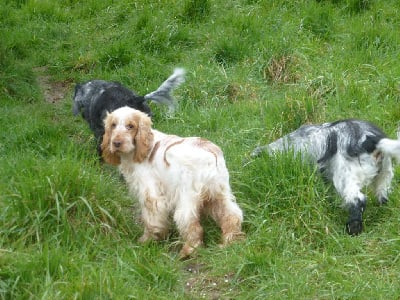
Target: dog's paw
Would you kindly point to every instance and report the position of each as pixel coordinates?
(354, 227)
(189, 249)
(382, 200)
(186, 252)
(144, 238)
(232, 237)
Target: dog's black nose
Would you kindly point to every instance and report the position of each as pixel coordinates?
(117, 144)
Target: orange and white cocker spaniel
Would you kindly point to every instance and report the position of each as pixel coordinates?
(171, 175)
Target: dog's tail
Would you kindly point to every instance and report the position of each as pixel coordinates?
(163, 94)
(390, 147)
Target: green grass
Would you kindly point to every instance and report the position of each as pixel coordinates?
(255, 70)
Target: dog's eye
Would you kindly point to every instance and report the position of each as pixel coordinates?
(113, 125)
(129, 126)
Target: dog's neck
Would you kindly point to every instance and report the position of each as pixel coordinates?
(126, 166)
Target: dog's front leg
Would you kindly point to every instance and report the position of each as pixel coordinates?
(155, 219)
(354, 225)
(349, 187)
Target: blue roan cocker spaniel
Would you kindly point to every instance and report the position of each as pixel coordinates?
(93, 99)
(350, 153)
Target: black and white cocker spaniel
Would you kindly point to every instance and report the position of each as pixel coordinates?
(93, 99)
(171, 176)
(352, 154)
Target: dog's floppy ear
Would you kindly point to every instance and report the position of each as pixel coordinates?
(143, 139)
(111, 158)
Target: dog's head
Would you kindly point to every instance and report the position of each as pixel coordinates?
(127, 132)
(78, 99)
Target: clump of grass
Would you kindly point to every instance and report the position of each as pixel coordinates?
(196, 10)
(321, 88)
(116, 56)
(17, 81)
(358, 6)
(84, 63)
(228, 52)
(181, 37)
(233, 92)
(56, 198)
(278, 70)
(374, 38)
(304, 206)
(158, 37)
(46, 11)
(318, 21)
(296, 112)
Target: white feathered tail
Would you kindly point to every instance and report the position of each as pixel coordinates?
(390, 147)
(163, 94)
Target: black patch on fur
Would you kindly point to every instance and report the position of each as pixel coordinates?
(331, 148)
(370, 143)
(354, 225)
(355, 130)
(110, 100)
(95, 98)
(355, 133)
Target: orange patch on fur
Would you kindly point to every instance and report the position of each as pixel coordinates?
(153, 152)
(108, 156)
(210, 147)
(169, 146)
(143, 138)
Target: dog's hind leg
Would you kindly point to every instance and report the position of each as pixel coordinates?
(381, 183)
(224, 210)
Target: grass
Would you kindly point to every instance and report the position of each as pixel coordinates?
(256, 70)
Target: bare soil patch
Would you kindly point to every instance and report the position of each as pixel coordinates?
(53, 91)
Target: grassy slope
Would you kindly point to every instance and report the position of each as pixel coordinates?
(256, 70)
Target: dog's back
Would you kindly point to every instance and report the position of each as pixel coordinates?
(321, 142)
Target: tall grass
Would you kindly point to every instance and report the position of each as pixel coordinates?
(256, 70)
